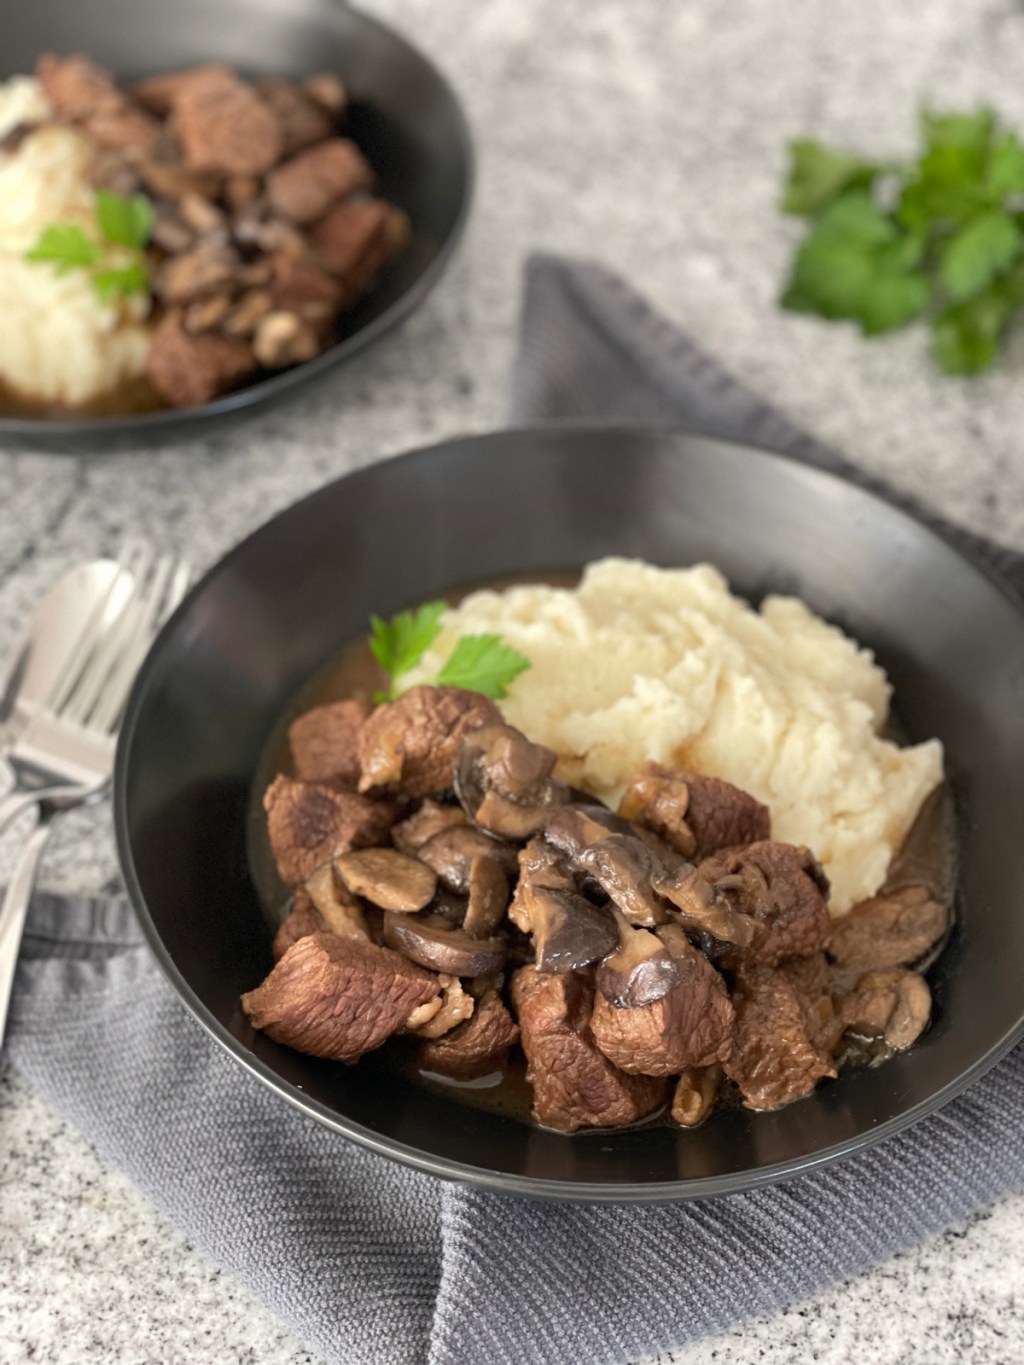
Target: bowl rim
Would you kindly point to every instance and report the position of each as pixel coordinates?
(265, 391)
(481, 1177)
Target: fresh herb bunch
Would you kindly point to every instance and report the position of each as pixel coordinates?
(940, 238)
(479, 663)
(116, 263)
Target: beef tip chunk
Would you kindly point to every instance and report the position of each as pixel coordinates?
(688, 1026)
(569, 932)
(476, 1047)
(159, 94)
(304, 188)
(411, 743)
(298, 285)
(324, 742)
(420, 828)
(187, 370)
(124, 129)
(310, 824)
(624, 869)
(695, 1095)
(504, 781)
(574, 1083)
(224, 126)
(302, 121)
(76, 86)
(812, 978)
(302, 919)
(336, 997)
(695, 814)
(893, 1005)
(783, 889)
(353, 231)
(891, 930)
(773, 1060)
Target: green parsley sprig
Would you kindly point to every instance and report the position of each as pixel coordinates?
(940, 238)
(479, 663)
(116, 263)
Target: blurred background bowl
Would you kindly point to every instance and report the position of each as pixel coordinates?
(403, 115)
(282, 605)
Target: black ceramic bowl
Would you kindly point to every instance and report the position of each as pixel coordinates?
(403, 115)
(280, 606)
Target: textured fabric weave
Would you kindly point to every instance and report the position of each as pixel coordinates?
(373, 1264)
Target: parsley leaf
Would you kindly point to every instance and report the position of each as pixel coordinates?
(978, 252)
(1005, 172)
(399, 644)
(971, 132)
(966, 335)
(817, 176)
(64, 245)
(120, 282)
(483, 663)
(124, 220)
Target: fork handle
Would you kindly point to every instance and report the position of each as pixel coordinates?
(14, 910)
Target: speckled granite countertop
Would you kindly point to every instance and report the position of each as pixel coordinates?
(651, 137)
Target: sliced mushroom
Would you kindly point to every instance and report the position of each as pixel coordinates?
(695, 1095)
(431, 818)
(640, 971)
(488, 897)
(453, 852)
(456, 1007)
(894, 1005)
(890, 930)
(569, 932)
(284, 339)
(573, 828)
(435, 944)
(390, 879)
(625, 869)
(504, 783)
(700, 909)
(339, 909)
(248, 313)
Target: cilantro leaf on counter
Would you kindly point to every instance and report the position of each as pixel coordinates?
(125, 220)
(399, 644)
(941, 237)
(483, 663)
(480, 663)
(66, 246)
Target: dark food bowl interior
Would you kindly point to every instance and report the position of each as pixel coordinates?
(280, 607)
(402, 114)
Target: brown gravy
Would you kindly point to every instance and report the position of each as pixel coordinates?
(927, 856)
(129, 399)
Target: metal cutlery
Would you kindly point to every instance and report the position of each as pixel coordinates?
(61, 744)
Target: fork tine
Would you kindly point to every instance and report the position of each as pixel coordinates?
(172, 580)
(91, 631)
(109, 642)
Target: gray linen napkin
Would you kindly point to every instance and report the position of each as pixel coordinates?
(369, 1262)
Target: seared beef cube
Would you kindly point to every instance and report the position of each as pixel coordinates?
(302, 121)
(411, 743)
(123, 128)
(812, 980)
(324, 742)
(304, 188)
(420, 828)
(574, 1084)
(188, 370)
(394, 234)
(224, 126)
(693, 813)
(569, 932)
(475, 1048)
(773, 1061)
(299, 286)
(159, 94)
(302, 920)
(894, 1005)
(891, 930)
(349, 233)
(310, 824)
(337, 997)
(76, 86)
(783, 889)
(504, 782)
(688, 1026)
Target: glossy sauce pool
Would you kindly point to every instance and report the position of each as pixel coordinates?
(927, 855)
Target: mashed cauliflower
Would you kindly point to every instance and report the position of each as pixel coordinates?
(642, 663)
(58, 343)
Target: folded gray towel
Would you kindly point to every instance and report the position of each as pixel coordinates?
(369, 1262)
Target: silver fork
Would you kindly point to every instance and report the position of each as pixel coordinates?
(65, 754)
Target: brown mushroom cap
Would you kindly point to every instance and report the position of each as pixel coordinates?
(503, 781)
(390, 879)
(625, 868)
(339, 909)
(436, 945)
(698, 908)
(488, 897)
(641, 970)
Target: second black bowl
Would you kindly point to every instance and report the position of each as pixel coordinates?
(403, 114)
